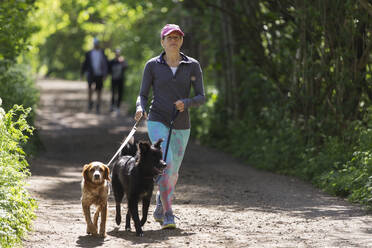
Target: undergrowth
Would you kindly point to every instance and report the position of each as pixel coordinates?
(16, 205)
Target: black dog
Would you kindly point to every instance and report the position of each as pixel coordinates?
(134, 177)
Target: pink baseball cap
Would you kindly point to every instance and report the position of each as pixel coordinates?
(169, 28)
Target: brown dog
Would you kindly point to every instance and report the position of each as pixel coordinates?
(95, 190)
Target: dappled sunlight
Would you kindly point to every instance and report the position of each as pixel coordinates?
(61, 85)
(60, 121)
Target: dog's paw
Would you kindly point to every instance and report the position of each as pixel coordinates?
(91, 229)
(139, 234)
(118, 219)
(102, 234)
(127, 228)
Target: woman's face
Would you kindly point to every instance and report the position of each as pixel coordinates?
(172, 42)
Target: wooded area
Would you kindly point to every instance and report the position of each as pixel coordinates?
(288, 82)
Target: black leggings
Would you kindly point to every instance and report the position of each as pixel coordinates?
(116, 92)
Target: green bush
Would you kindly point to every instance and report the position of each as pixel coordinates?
(352, 178)
(16, 205)
(272, 142)
(339, 164)
(17, 87)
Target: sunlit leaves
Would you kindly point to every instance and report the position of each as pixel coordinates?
(14, 29)
(16, 205)
(70, 25)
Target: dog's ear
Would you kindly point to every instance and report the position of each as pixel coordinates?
(143, 146)
(107, 173)
(158, 143)
(85, 172)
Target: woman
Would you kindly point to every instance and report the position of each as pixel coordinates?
(171, 75)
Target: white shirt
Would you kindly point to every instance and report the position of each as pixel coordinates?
(174, 69)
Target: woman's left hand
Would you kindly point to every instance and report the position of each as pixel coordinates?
(180, 106)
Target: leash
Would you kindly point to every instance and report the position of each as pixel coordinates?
(174, 116)
(134, 129)
(130, 135)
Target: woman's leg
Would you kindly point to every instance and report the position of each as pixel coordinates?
(177, 147)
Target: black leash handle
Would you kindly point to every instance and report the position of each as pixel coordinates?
(174, 116)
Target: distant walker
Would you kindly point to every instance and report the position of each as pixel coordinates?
(95, 68)
(117, 68)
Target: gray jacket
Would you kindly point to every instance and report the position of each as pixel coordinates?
(168, 88)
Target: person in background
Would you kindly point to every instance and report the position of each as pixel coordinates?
(170, 76)
(95, 67)
(117, 68)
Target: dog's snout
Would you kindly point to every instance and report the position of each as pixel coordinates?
(96, 175)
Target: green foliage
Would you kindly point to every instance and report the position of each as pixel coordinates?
(16, 205)
(17, 94)
(16, 84)
(200, 118)
(293, 79)
(18, 87)
(14, 29)
(274, 142)
(352, 177)
(118, 24)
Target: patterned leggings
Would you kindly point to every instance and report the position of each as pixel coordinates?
(176, 150)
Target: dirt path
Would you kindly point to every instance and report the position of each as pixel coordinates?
(220, 202)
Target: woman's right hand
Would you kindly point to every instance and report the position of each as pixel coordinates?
(139, 115)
